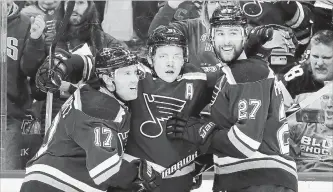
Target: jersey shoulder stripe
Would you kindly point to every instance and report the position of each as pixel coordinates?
(193, 76)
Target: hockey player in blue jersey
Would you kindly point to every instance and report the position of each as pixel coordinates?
(247, 132)
(309, 76)
(171, 85)
(83, 149)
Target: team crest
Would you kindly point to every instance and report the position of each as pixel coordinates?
(164, 108)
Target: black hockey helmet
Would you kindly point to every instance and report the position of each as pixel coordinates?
(167, 35)
(109, 59)
(228, 13)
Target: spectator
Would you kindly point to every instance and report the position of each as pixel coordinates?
(47, 9)
(41, 7)
(25, 52)
(312, 142)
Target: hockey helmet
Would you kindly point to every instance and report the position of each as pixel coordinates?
(109, 59)
(167, 35)
(228, 13)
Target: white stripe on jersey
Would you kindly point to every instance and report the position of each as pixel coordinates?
(109, 173)
(49, 181)
(246, 139)
(88, 66)
(84, 73)
(251, 165)
(110, 162)
(298, 17)
(61, 176)
(120, 114)
(257, 161)
(90, 62)
(193, 76)
(77, 100)
(238, 144)
(229, 75)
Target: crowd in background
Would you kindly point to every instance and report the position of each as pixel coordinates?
(128, 24)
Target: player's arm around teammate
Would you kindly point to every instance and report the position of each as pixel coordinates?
(84, 147)
(248, 133)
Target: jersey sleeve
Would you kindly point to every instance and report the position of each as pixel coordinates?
(80, 64)
(298, 79)
(99, 138)
(33, 56)
(165, 17)
(245, 108)
(102, 146)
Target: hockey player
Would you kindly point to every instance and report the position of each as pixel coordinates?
(287, 13)
(171, 85)
(310, 76)
(83, 149)
(83, 29)
(313, 141)
(200, 49)
(248, 133)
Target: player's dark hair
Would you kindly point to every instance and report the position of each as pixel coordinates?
(323, 37)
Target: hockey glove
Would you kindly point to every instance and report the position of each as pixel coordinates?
(256, 38)
(50, 79)
(194, 130)
(148, 179)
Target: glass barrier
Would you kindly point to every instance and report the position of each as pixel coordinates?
(311, 129)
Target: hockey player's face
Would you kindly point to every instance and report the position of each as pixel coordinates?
(228, 42)
(78, 11)
(327, 106)
(321, 58)
(168, 62)
(49, 4)
(126, 81)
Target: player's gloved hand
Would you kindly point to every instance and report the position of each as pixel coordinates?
(194, 130)
(50, 79)
(257, 37)
(148, 179)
